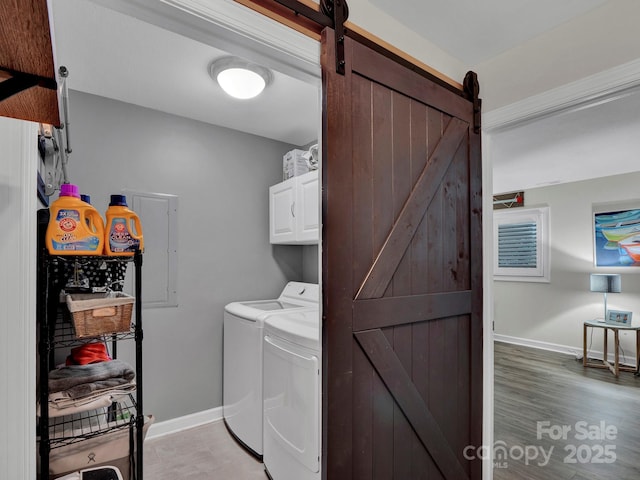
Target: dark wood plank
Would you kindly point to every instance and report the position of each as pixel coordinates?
(362, 414)
(463, 398)
(387, 72)
(25, 41)
(396, 379)
(25, 46)
(387, 311)
(383, 218)
(454, 215)
(462, 266)
(438, 375)
(362, 161)
(419, 157)
(404, 228)
(402, 431)
(475, 268)
(337, 211)
(382, 430)
(422, 465)
(37, 104)
(401, 181)
(436, 122)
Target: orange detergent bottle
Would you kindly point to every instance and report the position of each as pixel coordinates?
(93, 218)
(123, 232)
(75, 227)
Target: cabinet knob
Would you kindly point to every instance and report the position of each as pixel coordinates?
(293, 206)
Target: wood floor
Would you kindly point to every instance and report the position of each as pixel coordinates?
(531, 386)
(534, 386)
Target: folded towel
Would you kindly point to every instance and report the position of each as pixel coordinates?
(81, 380)
(60, 403)
(61, 400)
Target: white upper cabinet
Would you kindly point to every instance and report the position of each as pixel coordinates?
(294, 210)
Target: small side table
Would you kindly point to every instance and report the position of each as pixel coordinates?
(616, 368)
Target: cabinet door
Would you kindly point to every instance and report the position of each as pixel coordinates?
(306, 210)
(281, 218)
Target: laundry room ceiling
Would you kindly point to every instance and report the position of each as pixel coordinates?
(120, 57)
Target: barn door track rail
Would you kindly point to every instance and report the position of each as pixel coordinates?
(334, 14)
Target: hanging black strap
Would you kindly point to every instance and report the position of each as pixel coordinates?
(339, 11)
(132, 449)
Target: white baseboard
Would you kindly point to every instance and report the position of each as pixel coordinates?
(185, 422)
(554, 347)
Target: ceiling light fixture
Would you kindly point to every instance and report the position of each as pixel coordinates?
(240, 78)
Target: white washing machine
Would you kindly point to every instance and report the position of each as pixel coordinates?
(242, 368)
(292, 379)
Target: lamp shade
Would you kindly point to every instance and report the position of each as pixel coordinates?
(606, 283)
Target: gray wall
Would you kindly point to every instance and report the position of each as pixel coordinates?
(554, 312)
(310, 265)
(222, 179)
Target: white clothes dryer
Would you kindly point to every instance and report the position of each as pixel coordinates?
(242, 368)
(292, 363)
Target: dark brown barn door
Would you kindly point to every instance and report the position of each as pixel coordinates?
(402, 273)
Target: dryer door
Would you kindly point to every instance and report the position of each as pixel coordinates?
(291, 402)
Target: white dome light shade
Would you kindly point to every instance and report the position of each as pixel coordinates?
(239, 78)
(241, 83)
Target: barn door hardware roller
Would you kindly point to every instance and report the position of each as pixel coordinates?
(339, 11)
(333, 13)
(471, 92)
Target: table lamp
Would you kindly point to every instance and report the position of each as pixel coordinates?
(606, 283)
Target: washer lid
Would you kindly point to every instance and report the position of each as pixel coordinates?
(301, 327)
(253, 309)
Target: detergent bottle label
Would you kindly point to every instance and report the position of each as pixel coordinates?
(71, 235)
(120, 239)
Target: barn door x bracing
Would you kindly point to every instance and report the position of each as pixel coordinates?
(402, 273)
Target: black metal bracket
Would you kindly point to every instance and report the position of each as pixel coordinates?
(339, 11)
(471, 92)
(20, 81)
(301, 9)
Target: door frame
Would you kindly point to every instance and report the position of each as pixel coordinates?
(592, 90)
(18, 332)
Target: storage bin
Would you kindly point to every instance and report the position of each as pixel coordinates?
(113, 448)
(294, 164)
(99, 313)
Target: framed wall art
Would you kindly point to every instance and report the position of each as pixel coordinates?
(616, 236)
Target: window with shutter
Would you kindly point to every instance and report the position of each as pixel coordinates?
(521, 245)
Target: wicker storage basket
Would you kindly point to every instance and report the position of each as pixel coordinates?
(99, 313)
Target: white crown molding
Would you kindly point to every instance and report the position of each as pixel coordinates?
(238, 26)
(610, 84)
(230, 26)
(230, 15)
